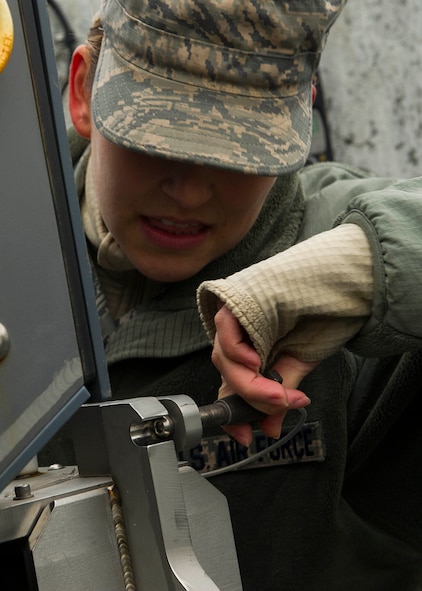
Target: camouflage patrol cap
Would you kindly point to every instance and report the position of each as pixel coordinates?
(219, 82)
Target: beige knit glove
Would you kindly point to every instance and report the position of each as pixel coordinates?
(307, 301)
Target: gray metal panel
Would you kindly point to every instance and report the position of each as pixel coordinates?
(77, 549)
(43, 377)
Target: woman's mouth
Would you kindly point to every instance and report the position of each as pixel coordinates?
(175, 227)
(174, 234)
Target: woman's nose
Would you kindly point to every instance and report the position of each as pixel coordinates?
(189, 185)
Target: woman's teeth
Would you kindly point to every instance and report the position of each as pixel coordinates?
(178, 227)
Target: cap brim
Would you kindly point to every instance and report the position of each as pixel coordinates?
(140, 111)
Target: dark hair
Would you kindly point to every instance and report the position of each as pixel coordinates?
(94, 41)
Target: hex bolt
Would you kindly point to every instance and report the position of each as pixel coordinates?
(22, 491)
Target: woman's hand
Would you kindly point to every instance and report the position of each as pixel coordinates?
(239, 365)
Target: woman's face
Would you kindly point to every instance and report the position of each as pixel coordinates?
(171, 219)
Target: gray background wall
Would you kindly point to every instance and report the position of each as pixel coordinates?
(371, 73)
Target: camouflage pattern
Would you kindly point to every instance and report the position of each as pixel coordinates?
(218, 82)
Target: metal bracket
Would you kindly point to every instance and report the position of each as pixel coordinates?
(129, 439)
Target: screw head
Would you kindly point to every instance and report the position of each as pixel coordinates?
(4, 342)
(164, 427)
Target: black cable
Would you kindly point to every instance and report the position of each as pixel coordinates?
(269, 449)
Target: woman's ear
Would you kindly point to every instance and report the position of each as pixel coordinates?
(314, 92)
(80, 91)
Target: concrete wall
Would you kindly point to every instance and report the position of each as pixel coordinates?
(371, 74)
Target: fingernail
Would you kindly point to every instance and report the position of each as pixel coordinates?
(274, 434)
(300, 402)
(242, 440)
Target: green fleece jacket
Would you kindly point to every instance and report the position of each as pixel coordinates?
(339, 508)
